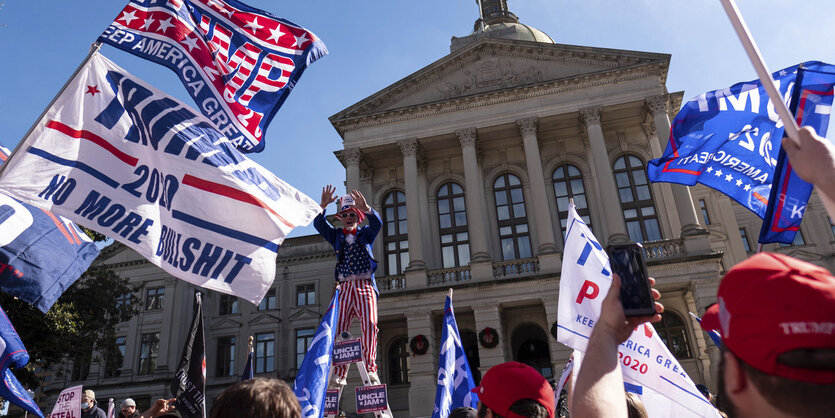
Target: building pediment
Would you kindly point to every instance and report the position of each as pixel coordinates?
(303, 313)
(489, 69)
(118, 254)
(224, 323)
(264, 318)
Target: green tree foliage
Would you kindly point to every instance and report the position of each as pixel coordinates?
(83, 319)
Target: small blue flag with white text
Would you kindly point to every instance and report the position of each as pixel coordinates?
(455, 379)
(312, 380)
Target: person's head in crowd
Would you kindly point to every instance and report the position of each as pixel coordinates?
(128, 407)
(776, 315)
(634, 406)
(514, 389)
(463, 412)
(257, 398)
(88, 399)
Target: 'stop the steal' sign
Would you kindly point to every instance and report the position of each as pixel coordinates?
(644, 358)
(121, 157)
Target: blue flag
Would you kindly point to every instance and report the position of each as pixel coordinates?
(455, 380)
(811, 105)
(14, 354)
(311, 383)
(41, 254)
(729, 140)
(248, 370)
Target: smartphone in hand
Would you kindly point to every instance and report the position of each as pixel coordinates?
(627, 260)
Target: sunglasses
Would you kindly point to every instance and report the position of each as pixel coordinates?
(348, 215)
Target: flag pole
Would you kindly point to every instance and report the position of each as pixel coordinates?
(93, 49)
(790, 125)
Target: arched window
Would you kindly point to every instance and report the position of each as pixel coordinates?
(568, 183)
(673, 332)
(398, 358)
(530, 346)
(452, 218)
(513, 221)
(636, 199)
(395, 233)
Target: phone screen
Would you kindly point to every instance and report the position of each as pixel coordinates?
(627, 261)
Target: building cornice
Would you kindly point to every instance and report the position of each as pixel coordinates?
(515, 94)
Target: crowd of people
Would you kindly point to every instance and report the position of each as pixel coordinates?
(776, 316)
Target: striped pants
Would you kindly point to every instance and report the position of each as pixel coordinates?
(358, 299)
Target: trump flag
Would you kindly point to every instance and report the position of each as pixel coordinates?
(132, 163)
(644, 358)
(13, 354)
(729, 140)
(237, 62)
(41, 254)
(311, 383)
(455, 379)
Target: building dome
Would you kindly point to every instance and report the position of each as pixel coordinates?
(498, 22)
(513, 30)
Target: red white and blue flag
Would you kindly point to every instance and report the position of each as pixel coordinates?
(237, 62)
(130, 162)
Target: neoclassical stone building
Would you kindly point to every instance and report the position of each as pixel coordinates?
(471, 161)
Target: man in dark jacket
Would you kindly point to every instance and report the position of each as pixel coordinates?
(88, 406)
(128, 409)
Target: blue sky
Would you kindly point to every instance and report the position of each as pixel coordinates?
(374, 43)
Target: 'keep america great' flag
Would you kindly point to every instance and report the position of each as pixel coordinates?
(238, 63)
(729, 140)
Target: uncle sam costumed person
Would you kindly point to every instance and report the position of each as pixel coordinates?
(354, 272)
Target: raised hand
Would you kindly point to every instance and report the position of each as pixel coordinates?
(612, 318)
(359, 201)
(327, 196)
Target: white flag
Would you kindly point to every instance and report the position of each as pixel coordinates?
(123, 158)
(644, 358)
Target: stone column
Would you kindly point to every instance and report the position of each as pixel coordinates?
(615, 224)
(659, 109)
(476, 224)
(542, 218)
(423, 369)
(352, 157)
(410, 148)
(489, 316)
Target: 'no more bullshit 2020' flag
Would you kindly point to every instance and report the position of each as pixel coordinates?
(120, 157)
(729, 140)
(644, 358)
(41, 254)
(237, 62)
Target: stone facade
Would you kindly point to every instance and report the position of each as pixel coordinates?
(468, 160)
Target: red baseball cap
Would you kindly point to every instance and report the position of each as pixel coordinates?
(509, 382)
(770, 304)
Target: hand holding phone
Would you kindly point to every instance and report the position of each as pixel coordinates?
(627, 261)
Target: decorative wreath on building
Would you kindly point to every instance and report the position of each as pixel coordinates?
(488, 337)
(419, 344)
